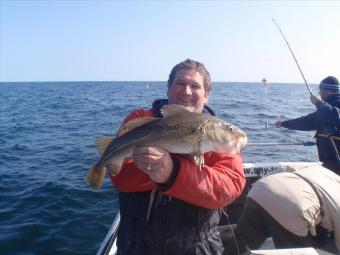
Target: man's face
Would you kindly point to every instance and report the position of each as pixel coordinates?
(324, 93)
(188, 90)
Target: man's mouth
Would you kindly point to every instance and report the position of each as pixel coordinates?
(185, 102)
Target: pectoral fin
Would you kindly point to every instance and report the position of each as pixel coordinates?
(102, 143)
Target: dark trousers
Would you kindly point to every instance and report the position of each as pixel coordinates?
(333, 166)
(256, 225)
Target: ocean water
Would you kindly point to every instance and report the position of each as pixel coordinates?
(47, 133)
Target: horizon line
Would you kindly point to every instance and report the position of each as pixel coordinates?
(154, 81)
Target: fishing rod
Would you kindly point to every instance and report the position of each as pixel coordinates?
(291, 51)
(309, 143)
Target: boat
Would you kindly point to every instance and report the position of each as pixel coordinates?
(253, 171)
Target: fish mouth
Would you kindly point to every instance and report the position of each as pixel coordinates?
(241, 143)
(239, 137)
(238, 144)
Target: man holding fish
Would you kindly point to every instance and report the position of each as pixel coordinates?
(175, 166)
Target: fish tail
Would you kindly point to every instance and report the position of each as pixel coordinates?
(95, 176)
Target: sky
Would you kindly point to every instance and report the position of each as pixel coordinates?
(142, 40)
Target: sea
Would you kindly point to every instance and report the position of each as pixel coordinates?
(47, 133)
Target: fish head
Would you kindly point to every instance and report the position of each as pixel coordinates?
(226, 137)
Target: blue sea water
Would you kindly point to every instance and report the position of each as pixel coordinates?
(47, 132)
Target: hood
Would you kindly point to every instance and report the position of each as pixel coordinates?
(158, 104)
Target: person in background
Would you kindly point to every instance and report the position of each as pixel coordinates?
(168, 204)
(325, 120)
(295, 208)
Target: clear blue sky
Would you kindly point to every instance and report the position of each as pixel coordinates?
(142, 40)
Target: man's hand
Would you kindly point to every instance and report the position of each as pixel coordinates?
(278, 124)
(154, 161)
(314, 99)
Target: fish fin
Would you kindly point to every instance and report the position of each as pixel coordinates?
(173, 109)
(198, 159)
(102, 143)
(132, 124)
(95, 177)
(114, 167)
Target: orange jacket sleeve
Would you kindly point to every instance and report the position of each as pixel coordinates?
(216, 185)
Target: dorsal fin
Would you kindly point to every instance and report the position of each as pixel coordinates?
(102, 143)
(173, 109)
(132, 124)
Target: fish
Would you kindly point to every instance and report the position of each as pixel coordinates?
(179, 131)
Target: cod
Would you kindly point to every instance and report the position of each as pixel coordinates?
(179, 131)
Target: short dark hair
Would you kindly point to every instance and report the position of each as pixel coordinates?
(190, 64)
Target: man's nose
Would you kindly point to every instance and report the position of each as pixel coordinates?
(187, 89)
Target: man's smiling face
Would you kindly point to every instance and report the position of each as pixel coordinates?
(188, 90)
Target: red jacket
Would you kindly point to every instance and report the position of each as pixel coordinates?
(216, 185)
